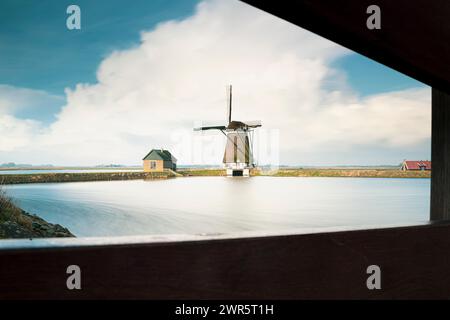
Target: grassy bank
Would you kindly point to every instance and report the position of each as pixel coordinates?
(111, 176)
(16, 223)
(363, 173)
(201, 172)
(76, 177)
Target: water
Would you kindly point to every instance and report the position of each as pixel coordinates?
(221, 205)
(38, 171)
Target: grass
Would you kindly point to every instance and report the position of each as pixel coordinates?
(284, 172)
(10, 212)
(80, 176)
(16, 223)
(201, 172)
(363, 173)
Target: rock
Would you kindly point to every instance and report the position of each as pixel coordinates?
(11, 229)
(37, 228)
(16, 223)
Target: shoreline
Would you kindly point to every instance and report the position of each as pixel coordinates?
(314, 172)
(349, 173)
(80, 177)
(133, 175)
(26, 225)
(15, 223)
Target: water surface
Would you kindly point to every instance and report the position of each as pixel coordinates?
(221, 205)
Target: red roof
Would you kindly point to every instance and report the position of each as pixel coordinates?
(416, 165)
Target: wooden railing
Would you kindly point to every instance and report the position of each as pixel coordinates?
(414, 263)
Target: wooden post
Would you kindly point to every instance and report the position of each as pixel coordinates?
(440, 156)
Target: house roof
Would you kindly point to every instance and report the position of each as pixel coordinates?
(417, 164)
(160, 154)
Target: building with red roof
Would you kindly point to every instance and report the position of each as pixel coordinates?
(416, 165)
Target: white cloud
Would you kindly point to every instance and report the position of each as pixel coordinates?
(15, 133)
(25, 103)
(394, 119)
(151, 95)
(22, 113)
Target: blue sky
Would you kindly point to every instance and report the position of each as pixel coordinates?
(369, 77)
(37, 52)
(34, 44)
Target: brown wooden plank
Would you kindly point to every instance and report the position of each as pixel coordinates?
(440, 148)
(414, 262)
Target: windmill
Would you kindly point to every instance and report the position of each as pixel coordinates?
(238, 155)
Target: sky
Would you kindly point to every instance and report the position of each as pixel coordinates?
(141, 74)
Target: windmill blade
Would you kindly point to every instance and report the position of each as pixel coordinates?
(229, 102)
(210, 128)
(253, 124)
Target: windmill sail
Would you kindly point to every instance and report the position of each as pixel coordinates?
(229, 102)
(210, 128)
(253, 124)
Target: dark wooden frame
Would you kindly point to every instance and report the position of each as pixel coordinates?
(415, 261)
(440, 148)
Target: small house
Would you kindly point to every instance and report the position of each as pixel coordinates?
(416, 165)
(159, 159)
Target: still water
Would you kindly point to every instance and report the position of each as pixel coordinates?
(222, 205)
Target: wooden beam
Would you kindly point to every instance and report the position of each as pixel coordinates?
(329, 265)
(440, 155)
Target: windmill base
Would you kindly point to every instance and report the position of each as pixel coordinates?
(238, 172)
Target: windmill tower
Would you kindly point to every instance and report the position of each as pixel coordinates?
(238, 155)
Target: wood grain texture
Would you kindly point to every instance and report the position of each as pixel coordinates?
(414, 263)
(440, 148)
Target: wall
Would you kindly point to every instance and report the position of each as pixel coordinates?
(159, 166)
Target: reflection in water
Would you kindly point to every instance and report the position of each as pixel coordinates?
(221, 205)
